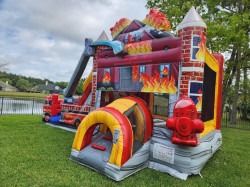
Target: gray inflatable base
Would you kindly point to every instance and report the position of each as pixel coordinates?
(158, 153)
(181, 161)
(98, 160)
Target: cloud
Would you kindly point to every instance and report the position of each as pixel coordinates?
(45, 39)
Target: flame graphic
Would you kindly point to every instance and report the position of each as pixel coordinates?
(137, 48)
(200, 55)
(164, 71)
(119, 26)
(135, 74)
(199, 104)
(106, 78)
(157, 84)
(158, 20)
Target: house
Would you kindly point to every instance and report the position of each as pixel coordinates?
(49, 88)
(6, 87)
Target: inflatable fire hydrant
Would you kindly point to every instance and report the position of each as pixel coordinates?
(184, 123)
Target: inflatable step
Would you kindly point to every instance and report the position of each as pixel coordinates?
(99, 147)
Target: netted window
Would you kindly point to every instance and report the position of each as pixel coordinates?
(126, 78)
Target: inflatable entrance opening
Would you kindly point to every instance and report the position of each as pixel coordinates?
(124, 128)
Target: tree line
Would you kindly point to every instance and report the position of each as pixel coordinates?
(25, 84)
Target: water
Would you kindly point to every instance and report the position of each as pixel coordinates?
(21, 106)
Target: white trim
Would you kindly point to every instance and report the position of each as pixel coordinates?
(193, 94)
(179, 79)
(192, 24)
(94, 73)
(192, 69)
(189, 85)
(192, 47)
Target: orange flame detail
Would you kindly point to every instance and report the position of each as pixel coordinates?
(158, 20)
(200, 55)
(137, 48)
(135, 74)
(199, 104)
(106, 78)
(164, 71)
(119, 26)
(157, 84)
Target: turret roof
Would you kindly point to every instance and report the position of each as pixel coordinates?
(192, 18)
(103, 36)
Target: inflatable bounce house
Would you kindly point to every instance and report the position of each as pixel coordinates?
(155, 99)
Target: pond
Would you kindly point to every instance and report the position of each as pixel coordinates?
(21, 105)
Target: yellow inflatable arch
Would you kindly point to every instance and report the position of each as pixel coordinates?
(119, 125)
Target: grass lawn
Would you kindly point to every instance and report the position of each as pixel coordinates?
(34, 154)
(24, 94)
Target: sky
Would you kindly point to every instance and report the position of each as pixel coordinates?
(45, 38)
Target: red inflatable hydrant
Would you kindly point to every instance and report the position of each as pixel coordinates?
(185, 124)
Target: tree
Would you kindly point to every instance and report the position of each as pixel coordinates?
(6, 80)
(61, 84)
(3, 66)
(23, 84)
(244, 99)
(234, 18)
(228, 30)
(235, 97)
(245, 106)
(79, 90)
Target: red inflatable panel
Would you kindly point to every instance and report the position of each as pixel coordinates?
(85, 95)
(220, 59)
(87, 138)
(107, 138)
(157, 57)
(96, 146)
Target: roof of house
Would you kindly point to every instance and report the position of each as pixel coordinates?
(4, 85)
(49, 87)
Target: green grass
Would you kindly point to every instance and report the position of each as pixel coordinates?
(34, 154)
(24, 95)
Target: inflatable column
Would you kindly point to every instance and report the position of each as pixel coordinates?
(95, 100)
(192, 30)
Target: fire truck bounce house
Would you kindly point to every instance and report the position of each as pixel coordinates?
(122, 130)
